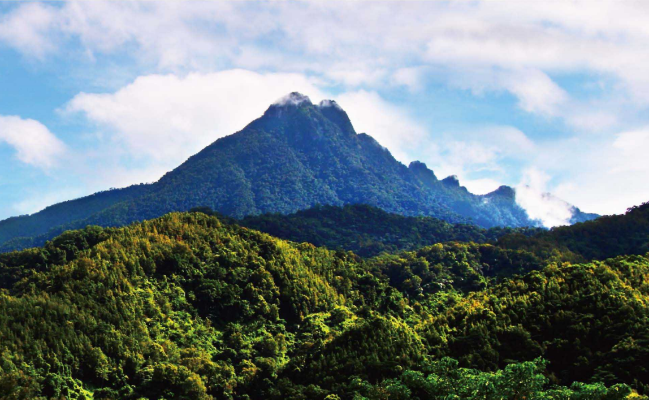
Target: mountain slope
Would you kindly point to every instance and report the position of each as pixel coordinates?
(66, 212)
(588, 320)
(368, 231)
(605, 237)
(295, 156)
(184, 306)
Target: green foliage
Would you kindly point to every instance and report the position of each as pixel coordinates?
(591, 321)
(444, 380)
(292, 158)
(367, 230)
(605, 237)
(462, 266)
(188, 307)
(178, 307)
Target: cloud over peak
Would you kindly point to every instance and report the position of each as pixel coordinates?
(167, 118)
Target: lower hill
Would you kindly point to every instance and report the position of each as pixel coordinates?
(185, 306)
(363, 229)
(369, 231)
(605, 237)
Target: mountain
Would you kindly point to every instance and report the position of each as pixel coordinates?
(186, 307)
(369, 231)
(297, 155)
(605, 237)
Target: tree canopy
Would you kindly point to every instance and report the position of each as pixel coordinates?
(188, 307)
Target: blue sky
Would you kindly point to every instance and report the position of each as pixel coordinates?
(554, 98)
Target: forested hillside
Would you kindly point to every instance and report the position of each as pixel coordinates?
(368, 231)
(27, 230)
(295, 156)
(605, 237)
(185, 306)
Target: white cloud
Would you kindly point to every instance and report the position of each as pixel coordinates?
(293, 99)
(598, 173)
(537, 93)
(481, 186)
(167, 118)
(477, 155)
(163, 119)
(28, 29)
(355, 74)
(633, 150)
(391, 126)
(466, 153)
(613, 175)
(532, 196)
(33, 142)
(338, 40)
(591, 119)
(515, 47)
(410, 77)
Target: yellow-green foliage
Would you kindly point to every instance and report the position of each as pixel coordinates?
(186, 307)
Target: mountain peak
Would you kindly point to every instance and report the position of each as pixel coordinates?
(335, 113)
(293, 99)
(423, 172)
(286, 105)
(294, 156)
(419, 166)
(307, 118)
(503, 191)
(329, 103)
(451, 181)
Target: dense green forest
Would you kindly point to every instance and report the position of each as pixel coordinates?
(363, 229)
(369, 231)
(604, 237)
(292, 158)
(187, 306)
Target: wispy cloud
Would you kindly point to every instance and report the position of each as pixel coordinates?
(390, 125)
(608, 175)
(163, 119)
(358, 52)
(28, 29)
(472, 153)
(540, 205)
(345, 37)
(167, 118)
(33, 142)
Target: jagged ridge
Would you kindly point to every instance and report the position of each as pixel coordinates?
(295, 156)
